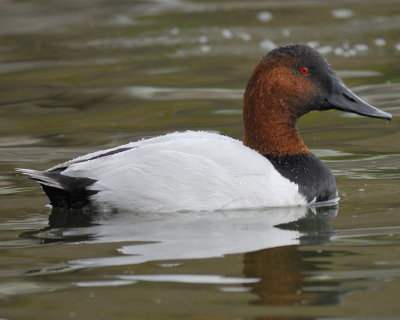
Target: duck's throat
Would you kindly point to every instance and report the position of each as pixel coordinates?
(279, 143)
(274, 135)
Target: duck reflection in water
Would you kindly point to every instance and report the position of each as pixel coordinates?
(277, 245)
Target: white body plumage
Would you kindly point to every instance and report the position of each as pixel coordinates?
(183, 171)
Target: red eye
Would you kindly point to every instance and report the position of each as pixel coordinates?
(304, 70)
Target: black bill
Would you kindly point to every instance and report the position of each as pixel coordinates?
(342, 98)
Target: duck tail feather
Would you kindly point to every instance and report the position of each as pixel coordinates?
(42, 177)
(62, 190)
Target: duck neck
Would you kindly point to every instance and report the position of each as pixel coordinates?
(272, 135)
(270, 121)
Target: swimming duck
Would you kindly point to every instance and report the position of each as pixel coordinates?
(195, 171)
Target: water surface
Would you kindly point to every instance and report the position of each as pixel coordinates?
(79, 76)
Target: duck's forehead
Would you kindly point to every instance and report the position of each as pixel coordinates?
(298, 54)
(313, 59)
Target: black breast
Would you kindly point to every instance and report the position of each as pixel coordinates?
(314, 179)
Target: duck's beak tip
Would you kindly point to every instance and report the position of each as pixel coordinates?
(380, 114)
(389, 118)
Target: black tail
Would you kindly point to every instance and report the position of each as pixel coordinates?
(63, 191)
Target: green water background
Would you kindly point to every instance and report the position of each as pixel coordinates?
(78, 76)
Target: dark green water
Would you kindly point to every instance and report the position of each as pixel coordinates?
(77, 76)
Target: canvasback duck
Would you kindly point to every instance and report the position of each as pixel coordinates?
(194, 171)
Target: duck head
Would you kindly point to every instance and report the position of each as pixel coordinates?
(287, 83)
